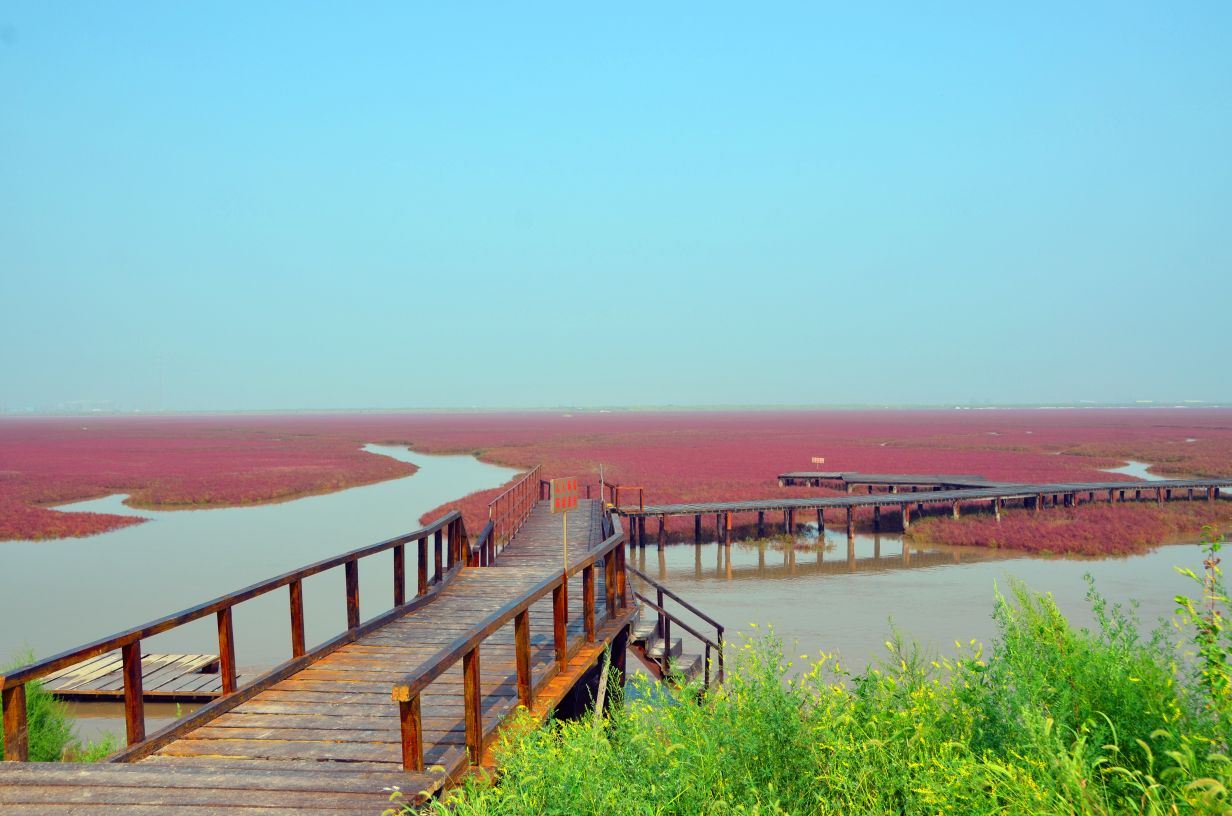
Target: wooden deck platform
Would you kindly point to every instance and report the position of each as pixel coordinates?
(170, 678)
(327, 737)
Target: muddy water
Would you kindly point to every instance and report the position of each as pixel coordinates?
(58, 594)
(1138, 470)
(832, 600)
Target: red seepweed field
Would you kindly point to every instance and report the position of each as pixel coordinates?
(185, 461)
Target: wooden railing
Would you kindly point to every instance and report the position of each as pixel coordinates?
(614, 491)
(466, 648)
(508, 511)
(666, 619)
(445, 537)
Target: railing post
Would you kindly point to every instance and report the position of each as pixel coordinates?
(719, 630)
(474, 705)
(588, 601)
(352, 594)
(297, 618)
(665, 631)
(438, 569)
(521, 640)
(452, 546)
(609, 582)
(16, 733)
(423, 565)
(399, 574)
(622, 577)
(409, 715)
(226, 651)
(560, 609)
(134, 702)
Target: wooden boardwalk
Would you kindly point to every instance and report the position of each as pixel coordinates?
(327, 737)
(902, 493)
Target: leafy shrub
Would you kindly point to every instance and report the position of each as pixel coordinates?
(1052, 720)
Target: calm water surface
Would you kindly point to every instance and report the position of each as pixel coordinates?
(58, 594)
(822, 599)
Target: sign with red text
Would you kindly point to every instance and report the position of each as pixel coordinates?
(819, 460)
(564, 494)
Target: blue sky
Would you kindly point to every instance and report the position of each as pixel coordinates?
(215, 206)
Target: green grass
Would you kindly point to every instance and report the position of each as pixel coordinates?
(50, 727)
(1052, 719)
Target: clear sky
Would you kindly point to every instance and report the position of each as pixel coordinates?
(232, 206)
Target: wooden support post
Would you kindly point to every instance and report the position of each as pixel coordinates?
(718, 526)
(588, 602)
(521, 640)
(876, 518)
(1111, 496)
(352, 593)
(16, 731)
(954, 511)
(560, 634)
(473, 693)
(1210, 494)
(439, 566)
(422, 567)
(226, 651)
(297, 618)
(451, 545)
(641, 531)
(622, 577)
(906, 508)
(851, 528)
(761, 523)
(662, 531)
(996, 508)
(821, 524)
(134, 702)
(786, 522)
(1159, 495)
(697, 529)
(399, 574)
(411, 721)
(727, 531)
(609, 583)
(791, 522)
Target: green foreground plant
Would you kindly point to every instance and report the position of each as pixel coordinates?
(1052, 720)
(49, 727)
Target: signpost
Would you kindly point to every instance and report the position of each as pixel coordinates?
(819, 460)
(564, 497)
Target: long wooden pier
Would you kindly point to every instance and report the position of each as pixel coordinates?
(904, 493)
(410, 698)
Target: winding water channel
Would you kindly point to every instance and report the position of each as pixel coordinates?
(58, 594)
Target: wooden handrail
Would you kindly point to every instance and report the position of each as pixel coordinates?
(12, 685)
(509, 510)
(666, 619)
(466, 647)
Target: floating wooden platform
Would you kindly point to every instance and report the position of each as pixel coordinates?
(171, 678)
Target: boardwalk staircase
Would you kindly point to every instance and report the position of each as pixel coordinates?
(676, 660)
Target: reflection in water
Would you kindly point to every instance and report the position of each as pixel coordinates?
(844, 597)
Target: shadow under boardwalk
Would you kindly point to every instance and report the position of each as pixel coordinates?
(327, 739)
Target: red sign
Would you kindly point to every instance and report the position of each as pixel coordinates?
(564, 494)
